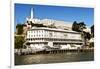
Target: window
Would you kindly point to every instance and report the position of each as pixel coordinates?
(37, 31)
(31, 35)
(39, 35)
(65, 34)
(31, 39)
(50, 34)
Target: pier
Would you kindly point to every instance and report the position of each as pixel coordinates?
(30, 52)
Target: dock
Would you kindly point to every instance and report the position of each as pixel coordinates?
(56, 51)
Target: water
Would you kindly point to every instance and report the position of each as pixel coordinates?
(53, 58)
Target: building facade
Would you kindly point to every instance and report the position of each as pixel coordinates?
(41, 37)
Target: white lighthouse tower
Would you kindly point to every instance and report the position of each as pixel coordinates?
(30, 18)
(32, 13)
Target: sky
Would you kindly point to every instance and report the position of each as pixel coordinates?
(64, 13)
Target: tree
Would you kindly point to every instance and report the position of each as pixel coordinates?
(92, 30)
(91, 44)
(19, 28)
(81, 26)
(87, 35)
(75, 26)
(19, 40)
(78, 26)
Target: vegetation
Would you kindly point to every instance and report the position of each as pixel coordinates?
(19, 40)
(19, 28)
(92, 30)
(91, 44)
(78, 26)
(87, 35)
(75, 26)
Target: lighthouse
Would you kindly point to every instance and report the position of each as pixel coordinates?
(32, 13)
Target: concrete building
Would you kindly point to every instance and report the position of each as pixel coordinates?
(49, 22)
(57, 23)
(40, 37)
